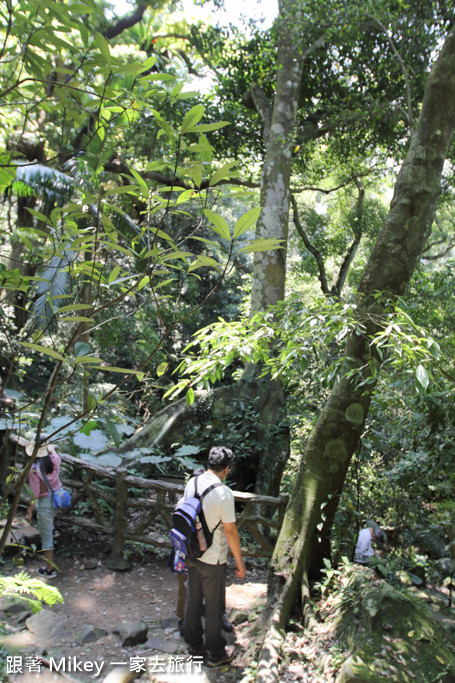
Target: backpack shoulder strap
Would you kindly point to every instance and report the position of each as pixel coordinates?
(210, 488)
(46, 480)
(204, 493)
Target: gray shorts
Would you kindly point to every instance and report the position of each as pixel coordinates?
(46, 514)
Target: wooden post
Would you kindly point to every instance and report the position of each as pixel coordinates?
(116, 559)
(7, 406)
(8, 445)
(4, 458)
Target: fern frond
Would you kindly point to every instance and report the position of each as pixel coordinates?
(33, 592)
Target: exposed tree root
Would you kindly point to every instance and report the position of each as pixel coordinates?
(268, 665)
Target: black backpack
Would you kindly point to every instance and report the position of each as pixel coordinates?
(188, 521)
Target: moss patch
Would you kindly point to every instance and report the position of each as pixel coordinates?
(391, 635)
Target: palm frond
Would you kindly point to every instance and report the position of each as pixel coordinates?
(53, 186)
(52, 288)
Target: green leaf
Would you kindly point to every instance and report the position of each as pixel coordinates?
(157, 77)
(143, 282)
(176, 90)
(219, 224)
(195, 172)
(131, 68)
(202, 261)
(40, 216)
(87, 359)
(205, 240)
(192, 117)
(208, 127)
(7, 176)
(115, 247)
(189, 398)
(163, 123)
(245, 221)
(188, 95)
(76, 319)
(140, 181)
(422, 377)
(187, 195)
(176, 254)
(124, 371)
(161, 369)
(112, 429)
(103, 46)
(266, 244)
(81, 349)
(89, 427)
(91, 401)
(75, 307)
(113, 276)
(43, 349)
(124, 189)
(222, 173)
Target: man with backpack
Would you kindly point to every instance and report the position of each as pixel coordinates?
(207, 574)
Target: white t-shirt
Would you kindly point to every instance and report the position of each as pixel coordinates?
(364, 548)
(218, 506)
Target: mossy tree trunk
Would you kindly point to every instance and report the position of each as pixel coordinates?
(333, 440)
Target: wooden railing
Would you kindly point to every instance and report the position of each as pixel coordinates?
(129, 508)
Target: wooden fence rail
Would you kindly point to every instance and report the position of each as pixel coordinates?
(130, 508)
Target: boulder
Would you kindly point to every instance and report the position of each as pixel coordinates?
(21, 536)
(390, 633)
(46, 626)
(237, 617)
(132, 633)
(90, 634)
(195, 675)
(430, 544)
(19, 611)
(120, 674)
(172, 647)
(446, 566)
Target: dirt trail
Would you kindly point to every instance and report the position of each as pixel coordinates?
(95, 596)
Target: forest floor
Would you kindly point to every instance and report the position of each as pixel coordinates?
(97, 600)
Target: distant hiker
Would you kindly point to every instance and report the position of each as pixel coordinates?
(364, 549)
(207, 575)
(49, 461)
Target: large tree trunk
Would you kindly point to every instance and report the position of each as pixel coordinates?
(334, 438)
(269, 270)
(270, 266)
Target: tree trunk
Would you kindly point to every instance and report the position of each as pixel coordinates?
(335, 436)
(269, 269)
